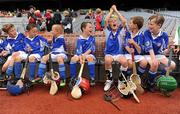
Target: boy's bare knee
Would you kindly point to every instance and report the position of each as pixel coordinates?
(17, 59)
(90, 59)
(45, 58)
(60, 60)
(74, 59)
(32, 59)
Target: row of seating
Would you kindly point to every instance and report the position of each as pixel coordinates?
(70, 40)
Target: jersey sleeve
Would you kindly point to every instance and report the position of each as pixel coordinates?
(147, 42)
(141, 44)
(127, 37)
(79, 50)
(93, 46)
(166, 41)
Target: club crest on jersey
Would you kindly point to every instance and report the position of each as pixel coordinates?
(158, 44)
(147, 43)
(37, 43)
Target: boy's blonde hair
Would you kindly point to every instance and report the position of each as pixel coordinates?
(114, 16)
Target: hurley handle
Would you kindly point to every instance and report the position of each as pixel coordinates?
(169, 60)
(81, 70)
(25, 66)
(133, 60)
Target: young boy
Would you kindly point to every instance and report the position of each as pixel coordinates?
(2, 61)
(156, 45)
(14, 46)
(35, 44)
(85, 48)
(114, 46)
(58, 54)
(134, 43)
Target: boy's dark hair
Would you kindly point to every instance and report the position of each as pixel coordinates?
(159, 19)
(138, 20)
(7, 27)
(84, 24)
(30, 26)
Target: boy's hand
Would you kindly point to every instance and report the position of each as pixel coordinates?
(131, 41)
(176, 50)
(4, 53)
(82, 58)
(131, 50)
(111, 10)
(114, 7)
(15, 54)
(29, 49)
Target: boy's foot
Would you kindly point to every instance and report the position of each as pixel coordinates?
(108, 84)
(72, 82)
(3, 85)
(38, 79)
(151, 87)
(62, 83)
(92, 82)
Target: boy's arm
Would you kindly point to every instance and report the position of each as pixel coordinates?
(128, 49)
(138, 48)
(121, 17)
(153, 57)
(87, 52)
(92, 48)
(107, 17)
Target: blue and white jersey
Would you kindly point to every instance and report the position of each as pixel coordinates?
(85, 44)
(114, 41)
(14, 44)
(37, 44)
(1, 45)
(158, 44)
(58, 45)
(138, 38)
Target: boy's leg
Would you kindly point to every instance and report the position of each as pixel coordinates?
(172, 66)
(18, 67)
(152, 75)
(124, 66)
(108, 70)
(60, 60)
(142, 67)
(73, 72)
(32, 67)
(91, 66)
(42, 66)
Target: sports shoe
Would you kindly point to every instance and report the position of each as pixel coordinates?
(72, 82)
(152, 89)
(62, 83)
(108, 85)
(3, 85)
(1, 78)
(92, 82)
(121, 85)
(37, 79)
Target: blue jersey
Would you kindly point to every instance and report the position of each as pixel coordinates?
(58, 45)
(114, 42)
(14, 44)
(158, 44)
(85, 44)
(139, 39)
(37, 44)
(1, 45)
